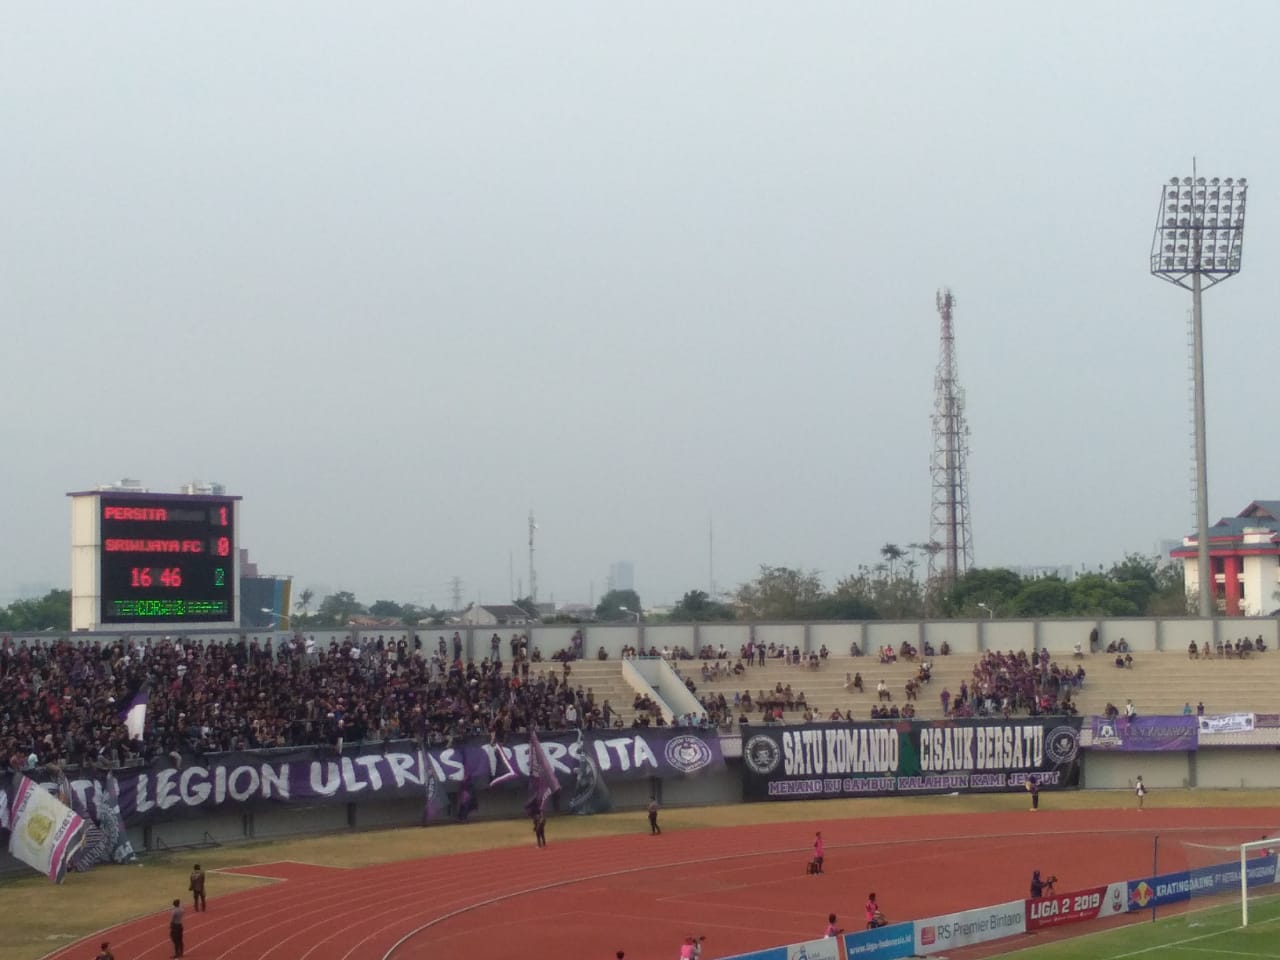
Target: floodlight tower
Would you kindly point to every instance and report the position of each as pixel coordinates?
(1199, 241)
(949, 529)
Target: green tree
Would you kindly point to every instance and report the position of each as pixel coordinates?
(386, 609)
(994, 587)
(302, 606)
(781, 593)
(50, 612)
(892, 553)
(528, 606)
(612, 603)
(1097, 595)
(697, 606)
(1042, 597)
(337, 609)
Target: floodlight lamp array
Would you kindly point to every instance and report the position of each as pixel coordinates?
(1200, 228)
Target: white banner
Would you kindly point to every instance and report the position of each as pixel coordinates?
(1227, 723)
(826, 949)
(971, 926)
(46, 832)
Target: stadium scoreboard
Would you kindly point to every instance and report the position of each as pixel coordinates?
(153, 560)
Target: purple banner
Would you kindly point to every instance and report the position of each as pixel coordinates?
(396, 769)
(1146, 733)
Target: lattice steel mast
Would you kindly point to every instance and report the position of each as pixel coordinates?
(950, 536)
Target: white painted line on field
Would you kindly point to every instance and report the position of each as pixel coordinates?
(1179, 943)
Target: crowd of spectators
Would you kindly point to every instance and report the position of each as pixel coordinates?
(62, 701)
(1008, 683)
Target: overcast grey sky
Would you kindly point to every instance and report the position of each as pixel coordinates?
(397, 273)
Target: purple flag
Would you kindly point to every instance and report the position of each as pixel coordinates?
(542, 777)
(467, 804)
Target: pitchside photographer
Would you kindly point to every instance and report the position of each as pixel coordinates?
(1042, 887)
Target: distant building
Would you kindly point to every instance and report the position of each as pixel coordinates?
(197, 488)
(1061, 571)
(495, 615)
(264, 599)
(622, 576)
(128, 484)
(1244, 560)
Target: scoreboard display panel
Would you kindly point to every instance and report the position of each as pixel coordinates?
(167, 559)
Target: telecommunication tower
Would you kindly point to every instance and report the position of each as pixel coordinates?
(950, 536)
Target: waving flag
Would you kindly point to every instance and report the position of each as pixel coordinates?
(46, 833)
(543, 783)
(505, 770)
(433, 801)
(134, 716)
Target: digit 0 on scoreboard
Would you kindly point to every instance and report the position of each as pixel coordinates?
(166, 558)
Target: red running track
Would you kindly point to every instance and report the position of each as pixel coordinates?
(743, 887)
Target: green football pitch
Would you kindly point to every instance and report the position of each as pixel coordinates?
(1205, 934)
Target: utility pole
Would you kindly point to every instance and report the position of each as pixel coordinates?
(533, 573)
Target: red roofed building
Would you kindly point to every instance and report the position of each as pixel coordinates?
(1244, 556)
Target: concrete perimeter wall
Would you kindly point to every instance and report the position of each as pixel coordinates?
(966, 637)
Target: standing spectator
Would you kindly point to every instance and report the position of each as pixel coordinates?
(175, 927)
(540, 828)
(654, 829)
(196, 886)
(1140, 791)
(817, 852)
(105, 953)
(1033, 788)
(874, 917)
(832, 929)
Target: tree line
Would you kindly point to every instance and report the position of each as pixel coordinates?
(891, 590)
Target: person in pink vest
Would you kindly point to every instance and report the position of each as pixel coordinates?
(817, 852)
(691, 949)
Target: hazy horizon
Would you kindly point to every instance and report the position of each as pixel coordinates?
(397, 275)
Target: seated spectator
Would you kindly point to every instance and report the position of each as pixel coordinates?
(882, 691)
(1193, 651)
(945, 649)
(854, 650)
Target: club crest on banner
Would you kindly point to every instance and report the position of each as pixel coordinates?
(688, 754)
(761, 754)
(1062, 744)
